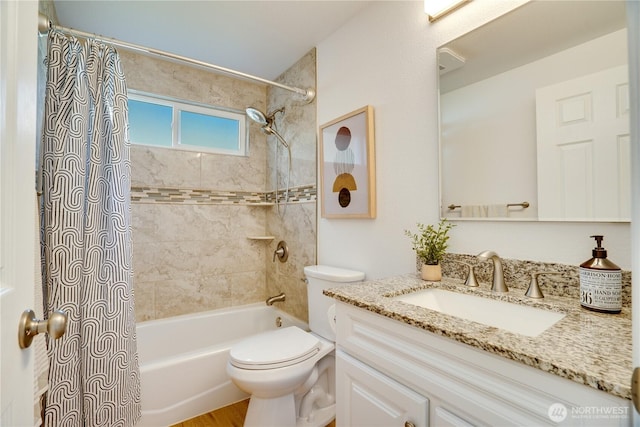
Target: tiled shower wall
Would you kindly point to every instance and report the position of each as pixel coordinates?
(295, 224)
(191, 252)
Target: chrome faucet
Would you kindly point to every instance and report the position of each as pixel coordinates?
(277, 298)
(498, 274)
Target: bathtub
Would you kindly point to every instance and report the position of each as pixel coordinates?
(183, 360)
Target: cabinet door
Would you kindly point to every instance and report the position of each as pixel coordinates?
(367, 398)
(442, 417)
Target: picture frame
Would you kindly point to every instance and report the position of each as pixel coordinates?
(347, 166)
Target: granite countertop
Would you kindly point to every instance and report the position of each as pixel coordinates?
(587, 347)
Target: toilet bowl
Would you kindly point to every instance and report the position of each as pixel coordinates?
(276, 374)
(289, 372)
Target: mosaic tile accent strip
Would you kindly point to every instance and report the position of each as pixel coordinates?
(301, 194)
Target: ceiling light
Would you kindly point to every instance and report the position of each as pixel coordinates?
(439, 8)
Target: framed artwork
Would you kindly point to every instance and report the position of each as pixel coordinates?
(347, 166)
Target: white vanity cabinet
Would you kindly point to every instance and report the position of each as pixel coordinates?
(371, 399)
(390, 374)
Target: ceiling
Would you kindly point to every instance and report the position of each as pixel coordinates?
(262, 38)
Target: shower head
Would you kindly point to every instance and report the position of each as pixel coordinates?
(266, 122)
(257, 116)
(261, 118)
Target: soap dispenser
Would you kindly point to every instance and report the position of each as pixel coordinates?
(600, 282)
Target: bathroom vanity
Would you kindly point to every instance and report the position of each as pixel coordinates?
(399, 364)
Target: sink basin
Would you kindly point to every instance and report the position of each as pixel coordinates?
(520, 319)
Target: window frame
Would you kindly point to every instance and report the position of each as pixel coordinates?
(179, 105)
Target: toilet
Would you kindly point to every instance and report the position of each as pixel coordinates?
(289, 372)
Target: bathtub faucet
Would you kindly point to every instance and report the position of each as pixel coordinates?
(277, 298)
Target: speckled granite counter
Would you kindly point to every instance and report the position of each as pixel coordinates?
(587, 347)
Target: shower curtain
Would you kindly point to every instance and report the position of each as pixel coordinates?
(86, 240)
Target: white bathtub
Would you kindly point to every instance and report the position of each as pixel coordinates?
(183, 360)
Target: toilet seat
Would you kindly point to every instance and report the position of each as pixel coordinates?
(274, 349)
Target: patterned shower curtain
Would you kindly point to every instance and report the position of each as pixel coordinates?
(86, 242)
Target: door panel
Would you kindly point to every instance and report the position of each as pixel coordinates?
(583, 144)
(18, 54)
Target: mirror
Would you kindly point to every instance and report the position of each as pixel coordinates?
(534, 119)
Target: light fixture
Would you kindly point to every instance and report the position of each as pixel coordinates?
(438, 8)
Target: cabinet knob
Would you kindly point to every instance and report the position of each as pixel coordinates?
(409, 424)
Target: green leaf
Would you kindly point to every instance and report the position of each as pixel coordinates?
(430, 243)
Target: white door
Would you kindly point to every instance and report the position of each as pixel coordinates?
(584, 167)
(18, 56)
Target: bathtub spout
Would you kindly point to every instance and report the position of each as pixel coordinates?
(277, 298)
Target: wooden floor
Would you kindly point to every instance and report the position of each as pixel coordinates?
(229, 416)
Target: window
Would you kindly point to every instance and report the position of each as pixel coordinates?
(166, 122)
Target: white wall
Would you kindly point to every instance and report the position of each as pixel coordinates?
(385, 57)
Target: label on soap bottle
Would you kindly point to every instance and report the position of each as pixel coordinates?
(601, 289)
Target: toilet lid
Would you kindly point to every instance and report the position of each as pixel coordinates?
(274, 349)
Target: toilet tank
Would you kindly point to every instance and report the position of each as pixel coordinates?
(322, 307)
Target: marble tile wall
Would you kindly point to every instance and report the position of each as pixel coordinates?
(295, 224)
(192, 212)
(191, 257)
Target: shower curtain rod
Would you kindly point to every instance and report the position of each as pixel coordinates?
(44, 25)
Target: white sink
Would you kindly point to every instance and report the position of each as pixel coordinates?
(520, 319)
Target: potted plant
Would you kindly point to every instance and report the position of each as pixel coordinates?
(430, 245)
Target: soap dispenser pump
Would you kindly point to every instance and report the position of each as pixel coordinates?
(600, 282)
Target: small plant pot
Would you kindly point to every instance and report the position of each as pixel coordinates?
(431, 273)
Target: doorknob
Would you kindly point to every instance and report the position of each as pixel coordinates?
(29, 326)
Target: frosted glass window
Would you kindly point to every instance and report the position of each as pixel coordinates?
(183, 125)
